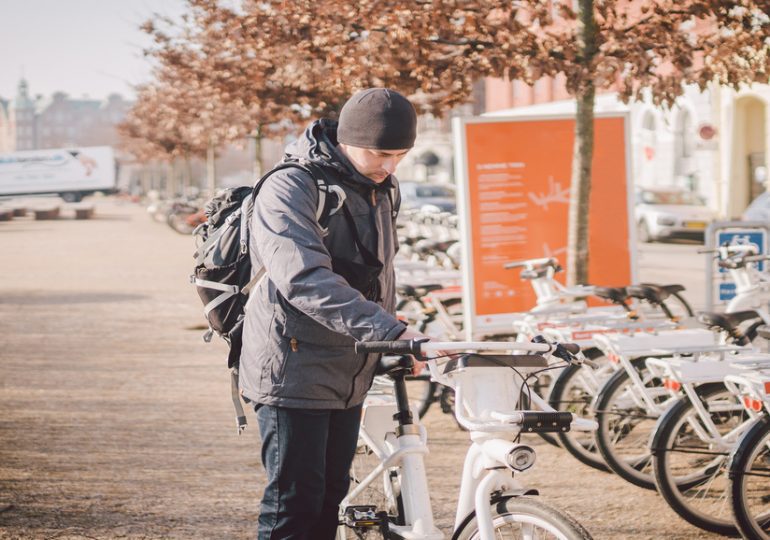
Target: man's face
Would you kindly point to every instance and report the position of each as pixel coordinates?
(376, 165)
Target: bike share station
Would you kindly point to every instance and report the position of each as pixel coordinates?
(720, 288)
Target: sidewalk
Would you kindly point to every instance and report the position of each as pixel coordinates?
(116, 417)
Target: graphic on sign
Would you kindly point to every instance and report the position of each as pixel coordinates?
(737, 237)
(516, 175)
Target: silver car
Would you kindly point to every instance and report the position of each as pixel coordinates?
(759, 209)
(428, 196)
(663, 214)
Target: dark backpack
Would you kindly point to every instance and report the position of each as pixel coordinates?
(223, 270)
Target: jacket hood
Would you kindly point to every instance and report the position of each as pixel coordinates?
(318, 143)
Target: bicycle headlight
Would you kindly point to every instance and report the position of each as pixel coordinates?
(521, 458)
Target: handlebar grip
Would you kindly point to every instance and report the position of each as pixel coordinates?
(399, 346)
(572, 348)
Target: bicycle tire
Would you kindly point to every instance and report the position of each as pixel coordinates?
(543, 387)
(525, 512)
(750, 484)
(177, 221)
(628, 457)
(691, 473)
(572, 392)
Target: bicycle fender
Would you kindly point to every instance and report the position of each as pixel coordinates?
(510, 494)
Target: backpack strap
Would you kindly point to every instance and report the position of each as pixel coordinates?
(393, 195)
(240, 416)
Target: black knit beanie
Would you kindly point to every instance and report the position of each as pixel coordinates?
(378, 118)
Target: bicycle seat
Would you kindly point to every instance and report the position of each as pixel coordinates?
(417, 292)
(764, 331)
(392, 365)
(653, 294)
(617, 295)
(671, 289)
(728, 322)
(495, 360)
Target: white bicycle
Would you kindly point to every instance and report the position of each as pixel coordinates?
(491, 503)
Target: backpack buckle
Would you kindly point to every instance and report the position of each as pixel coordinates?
(208, 335)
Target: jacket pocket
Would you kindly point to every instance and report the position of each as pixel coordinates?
(276, 355)
(303, 329)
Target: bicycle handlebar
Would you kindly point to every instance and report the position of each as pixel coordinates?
(420, 347)
(399, 346)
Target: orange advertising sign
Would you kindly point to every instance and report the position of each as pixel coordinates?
(516, 200)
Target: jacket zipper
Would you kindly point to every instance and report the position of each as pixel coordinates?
(373, 195)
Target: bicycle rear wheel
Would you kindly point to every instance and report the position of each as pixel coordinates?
(527, 518)
(750, 481)
(690, 469)
(626, 424)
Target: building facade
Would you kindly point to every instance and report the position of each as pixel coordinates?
(33, 123)
(714, 142)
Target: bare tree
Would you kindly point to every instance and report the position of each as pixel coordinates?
(280, 61)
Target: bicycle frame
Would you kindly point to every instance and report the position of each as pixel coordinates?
(487, 405)
(622, 349)
(751, 384)
(752, 288)
(688, 372)
(487, 402)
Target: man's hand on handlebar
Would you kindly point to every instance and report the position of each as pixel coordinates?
(413, 334)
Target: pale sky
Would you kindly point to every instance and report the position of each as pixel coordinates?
(80, 47)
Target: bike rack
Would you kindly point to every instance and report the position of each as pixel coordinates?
(736, 228)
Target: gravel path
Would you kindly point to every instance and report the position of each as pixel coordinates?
(116, 417)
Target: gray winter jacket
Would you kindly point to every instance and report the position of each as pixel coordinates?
(303, 320)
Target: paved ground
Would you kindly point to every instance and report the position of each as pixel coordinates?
(115, 417)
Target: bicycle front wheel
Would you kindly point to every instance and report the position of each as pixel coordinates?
(573, 391)
(750, 476)
(525, 517)
(690, 464)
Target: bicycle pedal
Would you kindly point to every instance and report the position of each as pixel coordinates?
(361, 516)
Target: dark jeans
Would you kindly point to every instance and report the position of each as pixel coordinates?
(307, 454)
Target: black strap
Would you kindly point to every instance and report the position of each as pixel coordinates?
(369, 257)
(315, 171)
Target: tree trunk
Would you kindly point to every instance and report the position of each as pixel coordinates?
(582, 155)
(211, 172)
(258, 165)
(171, 191)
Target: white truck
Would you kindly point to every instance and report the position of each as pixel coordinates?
(70, 173)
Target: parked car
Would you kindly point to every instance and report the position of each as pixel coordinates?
(663, 214)
(759, 209)
(425, 196)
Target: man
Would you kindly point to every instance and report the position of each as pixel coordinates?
(326, 288)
